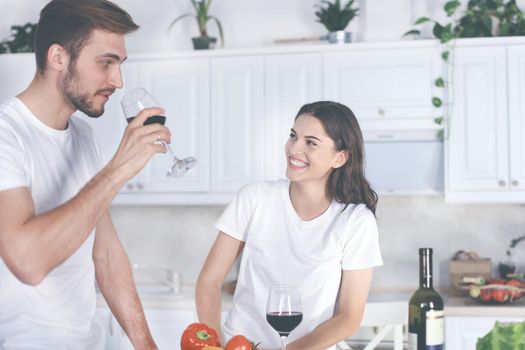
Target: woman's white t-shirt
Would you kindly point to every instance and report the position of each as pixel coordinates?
(281, 248)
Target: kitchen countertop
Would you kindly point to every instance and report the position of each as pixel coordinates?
(469, 307)
(454, 306)
(184, 300)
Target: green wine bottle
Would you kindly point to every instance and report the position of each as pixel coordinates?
(426, 322)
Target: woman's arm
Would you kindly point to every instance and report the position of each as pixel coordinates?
(353, 294)
(208, 291)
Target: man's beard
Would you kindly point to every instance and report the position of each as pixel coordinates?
(81, 100)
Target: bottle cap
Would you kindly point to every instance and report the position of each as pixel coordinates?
(425, 251)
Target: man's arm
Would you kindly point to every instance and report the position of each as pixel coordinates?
(353, 294)
(115, 280)
(33, 245)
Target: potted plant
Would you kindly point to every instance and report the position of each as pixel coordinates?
(21, 39)
(202, 16)
(336, 18)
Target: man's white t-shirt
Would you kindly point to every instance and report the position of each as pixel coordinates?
(281, 248)
(54, 165)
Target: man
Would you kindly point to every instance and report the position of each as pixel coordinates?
(56, 234)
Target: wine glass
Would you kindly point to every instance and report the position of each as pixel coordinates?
(284, 311)
(135, 101)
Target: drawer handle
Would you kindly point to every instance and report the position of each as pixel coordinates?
(515, 183)
(129, 186)
(502, 183)
(140, 186)
(381, 111)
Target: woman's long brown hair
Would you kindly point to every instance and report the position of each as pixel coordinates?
(346, 184)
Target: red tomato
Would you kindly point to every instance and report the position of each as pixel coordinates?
(238, 342)
(496, 281)
(499, 295)
(515, 294)
(485, 294)
(198, 335)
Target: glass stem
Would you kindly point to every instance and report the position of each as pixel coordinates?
(175, 159)
(283, 342)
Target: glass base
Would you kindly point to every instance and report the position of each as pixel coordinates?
(181, 167)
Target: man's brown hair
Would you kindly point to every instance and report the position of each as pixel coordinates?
(70, 23)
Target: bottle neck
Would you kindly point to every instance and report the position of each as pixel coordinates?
(425, 271)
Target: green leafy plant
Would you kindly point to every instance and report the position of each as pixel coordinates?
(202, 16)
(482, 18)
(503, 337)
(20, 40)
(334, 16)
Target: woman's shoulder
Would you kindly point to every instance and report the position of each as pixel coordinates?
(356, 212)
(264, 188)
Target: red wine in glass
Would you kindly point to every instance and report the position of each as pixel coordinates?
(284, 322)
(160, 119)
(284, 311)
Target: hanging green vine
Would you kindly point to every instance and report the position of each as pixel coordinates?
(482, 18)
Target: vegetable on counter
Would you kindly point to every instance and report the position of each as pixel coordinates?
(498, 291)
(503, 336)
(198, 335)
(240, 342)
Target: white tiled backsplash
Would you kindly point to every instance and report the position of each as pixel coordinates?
(180, 237)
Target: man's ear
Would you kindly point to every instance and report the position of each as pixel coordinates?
(340, 159)
(57, 58)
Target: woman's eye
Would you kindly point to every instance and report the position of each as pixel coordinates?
(311, 143)
(293, 136)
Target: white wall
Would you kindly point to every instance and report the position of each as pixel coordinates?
(247, 23)
(180, 237)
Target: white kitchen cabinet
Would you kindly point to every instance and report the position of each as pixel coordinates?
(485, 149)
(291, 80)
(388, 90)
(181, 86)
(516, 71)
(462, 332)
(237, 121)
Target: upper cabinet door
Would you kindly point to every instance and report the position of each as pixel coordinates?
(181, 86)
(291, 80)
(477, 144)
(237, 121)
(516, 61)
(386, 89)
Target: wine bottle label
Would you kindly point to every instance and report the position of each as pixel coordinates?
(435, 330)
(412, 341)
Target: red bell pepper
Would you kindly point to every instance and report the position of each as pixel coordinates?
(198, 335)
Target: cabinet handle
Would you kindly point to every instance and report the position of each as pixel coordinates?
(515, 183)
(140, 186)
(502, 183)
(129, 186)
(381, 111)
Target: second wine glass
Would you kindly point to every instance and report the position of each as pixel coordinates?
(284, 310)
(133, 102)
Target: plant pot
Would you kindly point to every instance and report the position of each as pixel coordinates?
(204, 42)
(339, 37)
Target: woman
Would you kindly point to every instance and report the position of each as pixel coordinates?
(316, 230)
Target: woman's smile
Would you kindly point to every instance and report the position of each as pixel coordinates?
(295, 163)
